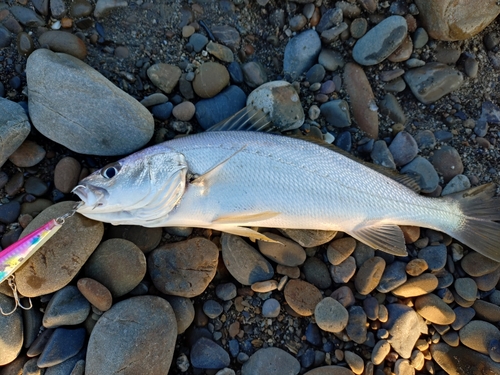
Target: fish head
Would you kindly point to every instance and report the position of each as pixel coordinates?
(136, 190)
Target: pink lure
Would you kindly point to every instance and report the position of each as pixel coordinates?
(19, 252)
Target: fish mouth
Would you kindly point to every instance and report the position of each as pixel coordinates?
(91, 196)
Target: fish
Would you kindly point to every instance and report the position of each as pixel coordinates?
(240, 180)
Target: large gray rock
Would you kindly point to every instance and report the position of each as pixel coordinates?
(135, 336)
(11, 331)
(76, 106)
(301, 53)
(14, 128)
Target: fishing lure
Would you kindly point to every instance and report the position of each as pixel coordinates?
(19, 252)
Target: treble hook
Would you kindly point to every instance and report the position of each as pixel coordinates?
(17, 301)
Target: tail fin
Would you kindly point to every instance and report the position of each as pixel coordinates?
(479, 230)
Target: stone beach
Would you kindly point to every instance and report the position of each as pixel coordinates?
(409, 85)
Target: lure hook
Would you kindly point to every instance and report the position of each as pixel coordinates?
(17, 300)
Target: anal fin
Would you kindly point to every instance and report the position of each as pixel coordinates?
(243, 232)
(385, 237)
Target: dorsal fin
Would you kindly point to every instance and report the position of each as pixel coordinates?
(248, 118)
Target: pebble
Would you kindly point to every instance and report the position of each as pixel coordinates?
(343, 272)
(145, 239)
(494, 350)
(380, 351)
(456, 184)
(67, 174)
(67, 307)
(433, 81)
(302, 297)
(426, 175)
(447, 162)
(478, 335)
(447, 55)
(344, 295)
(397, 85)
(416, 267)
(243, 262)
(404, 329)
(364, 109)
(301, 53)
(14, 127)
(291, 272)
(356, 327)
(466, 288)
(330, 315)
(184, 111)
(104, 7)
(315, 74)
(11, 331)
(471, 67)
(198, 41)
(434, 309)
(403, 52)
(358, 27)
(487, 311)
(132, 321)
(254, 74)
(271, 308)
(390, 106)
(435, 256)
(369, 275)
(227, 35)
(61, 41)
(416, 286)
(211, 78)
(206, 354)
(451, 338)
(340, 249)
(330, 18)
(403, 148)
(271, 361)
(487, 282)
(80, 8)
(354, 361)
(284, 251)
(265, 286)
(184, 312)
(336, 113)
(331, 60)
(380, 41)
(381, 155)
(9, 212)
(164, 76)
(96, 293)
(69, 249)
(330, 370)
(63, 344)
(214, 110)
(316, 272)
(477, 265)
(221, 52)
(462, 360)
(5, 37)
(212, 308)
(35, 186)
(27, 155)
(154, 99)
(184, 268)
(26, 16)
(162, 111)
(226, 291)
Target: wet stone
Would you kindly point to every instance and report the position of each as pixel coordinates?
(67, 307)
(271, 361)
(64, 343)
(26, 16)
(80, 8)
(284, 252)
(302, 297)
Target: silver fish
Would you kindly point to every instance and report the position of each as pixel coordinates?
(234, 181)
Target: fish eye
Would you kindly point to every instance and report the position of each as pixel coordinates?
(110, 170)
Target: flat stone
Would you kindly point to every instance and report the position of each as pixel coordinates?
(417, 286)
(301, 53)
(104, 7)
(369, 275)
(243, 262)
(271, 361)
(390, 106)
(458, 183)
(478, 334)
(356, 327)
(254, 74)
(487, 311)
(26, 16)
(89, 132)
(67, 307)
(447, 162)
(336, 113)
(96, 293)
(135, 323)
(462, 360)
(434, 309)
(416, 267)
(227, 35)
(63, 344)
(309, 237)
(331, 59)
(403, 326)
(27, 155)
(67, 174)
(343, 272)
(206, 354)
(330, 315)
(284, 251)
(435, 256)
(381, 155)
(11, 331)
(164, 76)
(466, 288)
(344, 295)
(58, 261)
(184, 312)
(184, 268)
(302, 297)
(14, 128)
(403, 148)
(61, 41)
(338, 250)
(380, 351)
(316, 272)
(487, 282)
(220, 51)
(477, 265)
(211, 78)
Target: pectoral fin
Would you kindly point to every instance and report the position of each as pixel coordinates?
(385, 237)
(243, 232)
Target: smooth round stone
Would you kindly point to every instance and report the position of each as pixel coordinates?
(64, 343)
(135, 323)
(456, 184)
(57, 262)
(478, 335)
(301, 53)
(243, 262)
(434, 309)
(330, 315)
(427, 176)
(220, 51)
(358, 27)
(35, 186)
(67, 174)
(420, 38)
(462, 360)
(466, 288)
(184, 111)
(235, 72)
(331, 60)
(330, 18)
(355, 362)
(198, 41)
(417, 286)
(184, 268)
(206, 354)
(291, 272)
(404, 328)
(315, 74)
(330, 370)
(344, 295)
(27, 155)
(451, 338)
(214, 110)
(254, 73)
(433, 81)
(316, 272)
(447, 162)
(340, 249)
(61, 41)
(343, 272)
(380, 41)
(24, 43)
(9, 212)
(487, 282)
(211, 78)
(356, 327)
(336, 113)
(369, 275)
(67, 307)
(494, 350)
(11, 331)
(463, 316)
(14, 126)
(226, 291)
(164, 76)
(284, 251)
(302, 297)
(477, 265)
(154, 99)
(162, 111)
(80, 8)
(212, 308)
(184, 312)
(380, 351)
(487, 311)
(416, 267)
(471, 67)
(96, 293)
(403, 148)
(26, 16)
(5, 37)
(371, 307)
(145, 239)
(118, 264)
(265, 286)
(435, 256)
(381, 155)
(271, 361)
(403, 52)
(271, 308)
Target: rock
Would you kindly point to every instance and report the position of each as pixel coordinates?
(302, 297)
(198, 42)
(416, 267)
(354, 361)
(63, 344)
(466, 288)
(457, 184)
(340, 249)
(243, 262)
(14, 128)
(206, 354)
(332, 17)
(222, 106)
(403, 326)
(451, 20)
(390, 106)
(221, 52)
(79, 9)
(145, 239)
(403, 148)
(487, 311)
(380, 41)
(315, 74)
(281, 102)
(433, 81)
(435, 256)
(424, 173)
(61, 41)
(254, 74)
(364, 108)
(56, 263)
(212, 308)
(271, 361)
(316, 272)
(478, 334)
(309, 237)
(477, 265)
(184, 312)
(301, 53)
(381, 155)
(336, 113)
(11, 331)
(344, 295)
(331, 59)
(447, 162)
(67, 174)
(118, 264)
(369, 275)
(227, 35)
(103, 7)
(27, 155)
(343, 272)
(330, 370)
(135, 323)
(211, 78)
(164, 76)
(9, 212)
(26, 16)
(271, 308)
(356, 328)
(96, 293)
(487, 282)
(330, 315)
(380, 351)
(67, 307)
(184, 268)
(417, 286)
(461, 360)
(90, 131)
(226, 291)
(434, 309)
